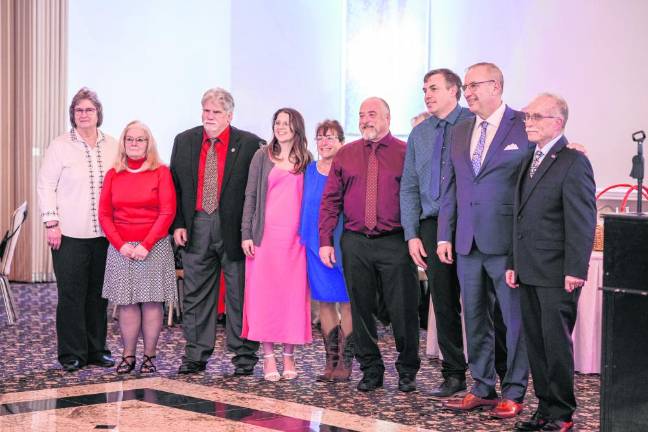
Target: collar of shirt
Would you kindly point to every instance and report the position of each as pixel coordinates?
(453, 116)
(384, 141)
(75, 136)
(547, 148)
(223, 137)
(494, 119)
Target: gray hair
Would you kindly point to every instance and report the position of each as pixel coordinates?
(560, 105)
(221, 96)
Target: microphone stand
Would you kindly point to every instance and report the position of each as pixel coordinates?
(638, 167)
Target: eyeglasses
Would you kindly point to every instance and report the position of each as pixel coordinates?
(537, 117)
(328, 138)
(473, 85)
(131, 140)
(85, 110)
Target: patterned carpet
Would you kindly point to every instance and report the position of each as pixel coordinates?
(28, 362)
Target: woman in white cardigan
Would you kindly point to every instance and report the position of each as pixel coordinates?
(69, 186)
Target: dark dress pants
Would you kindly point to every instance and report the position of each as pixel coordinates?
(479, 299)
(445, 292)
(81, 316)
(203, 260)
(385, 260)
(549, 316)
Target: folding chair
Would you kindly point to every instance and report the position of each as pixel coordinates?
(17, 219)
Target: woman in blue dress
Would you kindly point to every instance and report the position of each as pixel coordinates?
(327, 284)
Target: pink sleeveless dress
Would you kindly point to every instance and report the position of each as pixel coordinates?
(277, 299)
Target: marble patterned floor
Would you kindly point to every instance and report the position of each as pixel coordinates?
(36, 395)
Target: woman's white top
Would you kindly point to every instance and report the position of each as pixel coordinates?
(70, 181)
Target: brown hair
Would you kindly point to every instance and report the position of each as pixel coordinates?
(328, 125)
(451, 78)
(86, 93)
(152, 156)
(299, 154)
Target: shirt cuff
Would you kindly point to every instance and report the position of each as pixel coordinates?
(326, 241)
(443, 242)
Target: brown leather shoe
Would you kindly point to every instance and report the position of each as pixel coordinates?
(507, 408)
(470, 402)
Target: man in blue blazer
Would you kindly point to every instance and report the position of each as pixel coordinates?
(553, 234)
(477, 203)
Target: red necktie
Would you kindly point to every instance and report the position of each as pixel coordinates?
(371, 199)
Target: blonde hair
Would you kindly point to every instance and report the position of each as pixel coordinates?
(152, 156)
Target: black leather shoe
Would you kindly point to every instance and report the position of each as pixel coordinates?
(71, 365)
(407, 383)
(243, 371)
(535, 423)
(451, 386)
(191, 367)
(104, 360)
(370, 382)
(559, 425)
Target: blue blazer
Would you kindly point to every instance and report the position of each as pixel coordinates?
(480, 208)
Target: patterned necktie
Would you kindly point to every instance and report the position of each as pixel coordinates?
(535, 163)
(371, 198)
(477, 155)
(210, 179)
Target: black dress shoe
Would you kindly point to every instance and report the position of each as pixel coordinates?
(535, 423)
(71, 365)
(243, 371)
(559, 425)
(450, 387)
(191, 367)
(104, 360)
(370, 382)
(407, 383)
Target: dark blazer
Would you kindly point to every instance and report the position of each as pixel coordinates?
(185, 159)
(555, 218)
(480, 207)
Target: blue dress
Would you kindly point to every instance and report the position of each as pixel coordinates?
(326, 284)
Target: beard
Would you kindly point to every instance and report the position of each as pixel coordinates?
(369, 133)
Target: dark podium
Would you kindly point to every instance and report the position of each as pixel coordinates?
(624, 362)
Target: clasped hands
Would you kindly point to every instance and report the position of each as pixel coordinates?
(136, 253)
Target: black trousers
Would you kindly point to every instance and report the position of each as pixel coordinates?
(445, 293)
(385, 260)
(548, 319)
(81, 318)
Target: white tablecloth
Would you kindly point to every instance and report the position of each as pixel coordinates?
(587, 332)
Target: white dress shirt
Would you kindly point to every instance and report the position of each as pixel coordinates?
(70, 181)
(546, 149)
(493, 123)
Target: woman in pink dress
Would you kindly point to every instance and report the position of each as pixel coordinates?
(277, 299)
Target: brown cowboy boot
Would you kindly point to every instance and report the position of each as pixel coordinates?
(332, 354)
(343, 370)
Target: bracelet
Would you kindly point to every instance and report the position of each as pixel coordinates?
(51, 226)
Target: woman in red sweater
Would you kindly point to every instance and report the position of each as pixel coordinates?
(137, 206)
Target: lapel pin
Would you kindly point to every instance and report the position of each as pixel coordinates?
(553, 156)
(233, 150)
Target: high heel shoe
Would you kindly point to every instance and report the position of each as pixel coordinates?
(289, 374)
(147, 365)
(272, 376)
(125, 366)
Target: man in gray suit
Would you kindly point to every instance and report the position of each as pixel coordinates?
(210, 164)
(425, 169)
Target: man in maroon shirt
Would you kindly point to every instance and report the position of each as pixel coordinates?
(210, 166)
(364, 185)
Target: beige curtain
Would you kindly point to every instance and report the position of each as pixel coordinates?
(33, 112)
